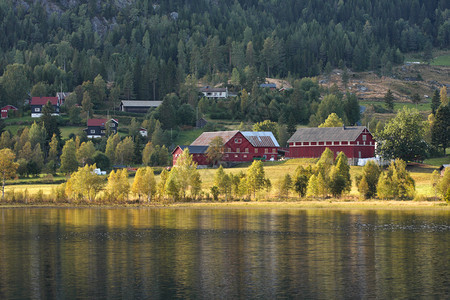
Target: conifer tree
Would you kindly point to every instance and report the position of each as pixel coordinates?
(389, 100)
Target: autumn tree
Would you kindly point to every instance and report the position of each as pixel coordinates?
(215, 150)
(332, 121)
(301, 179)
(111, 145)
(367, 182)
(84, 184)
(223, 182)
(69, 161)
(144, 183)
(186, 175)
(8, 167)
(396, 182)
(118, 186)
(124, 151)
(256, 178)
(85, 153)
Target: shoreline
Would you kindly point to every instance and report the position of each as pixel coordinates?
(328, 204)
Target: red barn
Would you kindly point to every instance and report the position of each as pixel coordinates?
(356, 142)
(242, 146)
(198, 154)
(5, 110)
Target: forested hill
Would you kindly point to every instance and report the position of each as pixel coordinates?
(148, 47)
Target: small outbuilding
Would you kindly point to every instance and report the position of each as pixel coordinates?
(6, 109)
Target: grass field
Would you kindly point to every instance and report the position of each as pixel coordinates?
(274, 171)
(422, 106)
(443, 60)
(439, 161)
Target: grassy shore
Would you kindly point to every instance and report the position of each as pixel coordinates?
(326, 204)
(275, 171)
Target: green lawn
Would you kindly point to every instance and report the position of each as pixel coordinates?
(67, 130)
(422, 106)
(438, 161)
(443, 60)
(187, 137)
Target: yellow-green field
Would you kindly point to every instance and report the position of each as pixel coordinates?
(274, 171)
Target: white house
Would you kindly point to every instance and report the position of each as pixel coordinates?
(214, 93)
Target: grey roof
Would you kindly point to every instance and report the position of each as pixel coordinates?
(327, 134)
(210, 89)
(195, 149)
(261, 138)
(206, 137)
(141, 103)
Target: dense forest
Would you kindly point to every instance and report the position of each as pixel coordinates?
(146, 48)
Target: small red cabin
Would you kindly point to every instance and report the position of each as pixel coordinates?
(198, 154)
(356, 142)
(6, 109)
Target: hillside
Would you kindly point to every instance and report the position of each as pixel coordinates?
(405, 81)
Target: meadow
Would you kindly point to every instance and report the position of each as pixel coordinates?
(421, 173)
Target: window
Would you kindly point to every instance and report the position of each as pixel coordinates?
(228, 149)
(246, 150)
(238, 150)
(37, 109)
(238, 141)
(245, 156)
(274, 150)
(364, 137)
(112, 124)
(266, 150)
(102, 131)
(359, 154)
(92, 130)
(256, 150)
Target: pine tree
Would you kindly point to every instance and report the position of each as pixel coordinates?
(389, 100)
(435, 101)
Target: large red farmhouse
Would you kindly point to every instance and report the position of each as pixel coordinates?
(356, 142)
(238, 146)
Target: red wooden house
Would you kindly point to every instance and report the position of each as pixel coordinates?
(198, 154)
(6, 109)
(356, 142)
(238, 146)
(37, 103)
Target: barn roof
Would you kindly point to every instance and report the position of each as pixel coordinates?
(261, 138)
(194, 149)
(206, 137)
(141, 103)
(44, 100)
(99, 122)
(327, 134)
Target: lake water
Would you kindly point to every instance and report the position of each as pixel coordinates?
(210, 254)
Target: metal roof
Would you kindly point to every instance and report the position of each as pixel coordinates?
(327, 134)
(141, 103)
(206, 137)
(261, 138)
(194, 149)
(209, 89)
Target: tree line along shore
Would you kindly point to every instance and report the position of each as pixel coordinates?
(317, 181)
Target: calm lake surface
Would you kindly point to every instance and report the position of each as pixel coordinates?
(225, 253)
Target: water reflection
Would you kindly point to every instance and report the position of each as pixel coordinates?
(193, 253)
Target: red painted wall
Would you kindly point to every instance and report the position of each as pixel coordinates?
(236, 146)
(367, 148)
(199, 158)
